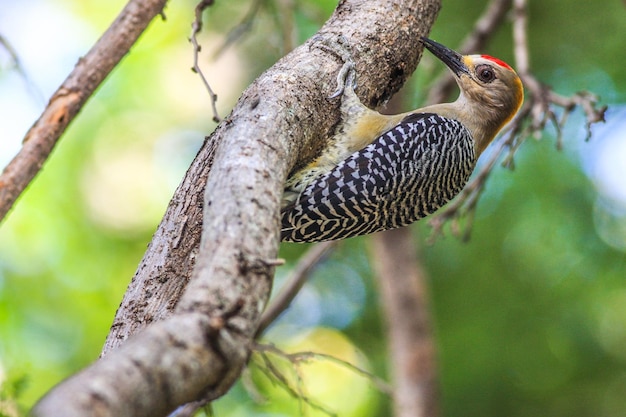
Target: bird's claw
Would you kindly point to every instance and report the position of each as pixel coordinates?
(345, 77)
(340, 48)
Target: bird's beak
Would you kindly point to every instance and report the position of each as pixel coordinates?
(452, 59)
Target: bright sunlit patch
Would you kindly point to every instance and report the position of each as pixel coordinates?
(606, 165)
(609, 162)
(611, 328)
(123, 187)
(46, 61)
(326, 382)
(609, 219)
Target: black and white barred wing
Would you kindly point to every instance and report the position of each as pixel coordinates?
(405, 174)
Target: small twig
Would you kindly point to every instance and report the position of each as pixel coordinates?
(294, 283)
(298, 358)
(270, 370)
(196, 27)
(304, 357)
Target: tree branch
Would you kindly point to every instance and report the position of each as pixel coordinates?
(196, 27)
(280, 120)
(66, 102)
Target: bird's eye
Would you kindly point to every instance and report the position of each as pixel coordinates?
(485, 73)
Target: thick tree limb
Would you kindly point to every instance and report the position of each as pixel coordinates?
(66, 102)
(283, 117)
(386, 54)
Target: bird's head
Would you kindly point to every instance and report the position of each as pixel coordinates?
(491, 91)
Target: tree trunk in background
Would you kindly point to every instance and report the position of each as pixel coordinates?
(404, 294)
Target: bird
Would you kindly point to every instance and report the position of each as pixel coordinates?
(386, 171)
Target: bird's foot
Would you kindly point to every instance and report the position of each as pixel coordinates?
(345, 78)
(340, 48)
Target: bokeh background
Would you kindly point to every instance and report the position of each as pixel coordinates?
(529, 315)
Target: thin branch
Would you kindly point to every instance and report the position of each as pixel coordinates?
(294, 283)
(196, 27)
(68, 100)
(520, 40)
(271, 371)
(298, 358)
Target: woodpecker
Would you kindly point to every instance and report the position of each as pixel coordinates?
(381, 172)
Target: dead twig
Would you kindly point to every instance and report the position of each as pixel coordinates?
(196, 27)
(306, 357)
(276, 376)
(267, 366)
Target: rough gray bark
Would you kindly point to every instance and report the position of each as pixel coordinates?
(383, 36)
(198, 348)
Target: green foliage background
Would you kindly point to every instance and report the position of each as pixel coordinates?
(529, 315)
